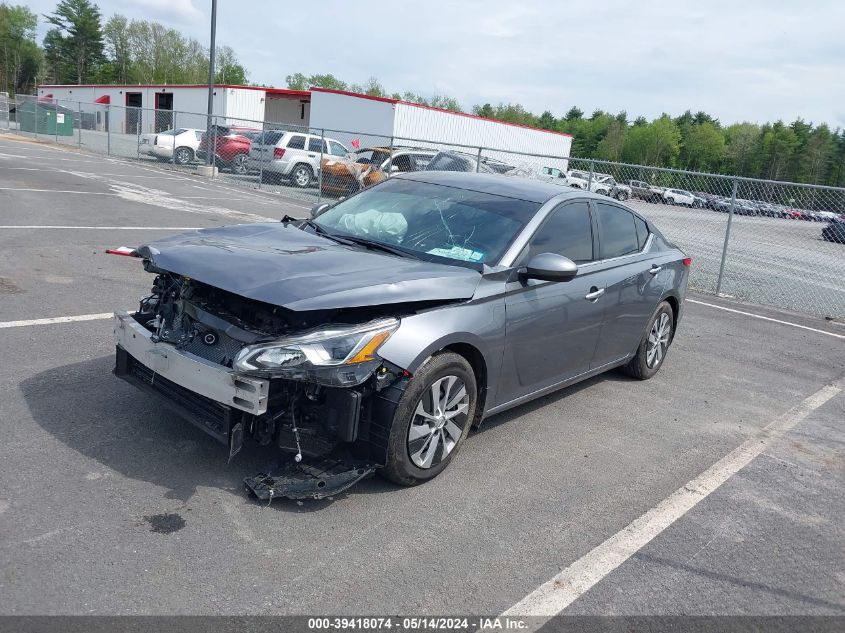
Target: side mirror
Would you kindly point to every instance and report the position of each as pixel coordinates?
(549, 267)
(319, 209)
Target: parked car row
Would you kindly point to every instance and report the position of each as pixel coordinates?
(742, 206)
(282, 156)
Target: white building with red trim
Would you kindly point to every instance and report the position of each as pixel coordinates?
(354, 119)
(160, 107)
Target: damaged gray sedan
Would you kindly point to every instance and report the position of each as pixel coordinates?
(374, 335)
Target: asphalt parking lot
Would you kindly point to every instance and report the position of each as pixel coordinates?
(112, 505)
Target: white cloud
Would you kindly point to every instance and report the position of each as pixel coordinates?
(176, 11)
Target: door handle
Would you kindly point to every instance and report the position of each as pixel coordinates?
(655, 269)
(594, 293)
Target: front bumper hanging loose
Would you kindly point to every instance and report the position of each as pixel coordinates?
(320, 478)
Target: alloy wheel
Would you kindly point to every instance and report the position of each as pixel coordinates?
(239, 164)
(438, 422)
(658, 340)
(302, 176)
(183, 156)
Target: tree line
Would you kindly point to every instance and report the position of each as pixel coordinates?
(797, 152)
(82, 47)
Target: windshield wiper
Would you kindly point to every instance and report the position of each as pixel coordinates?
(319, 230)
(363, 241)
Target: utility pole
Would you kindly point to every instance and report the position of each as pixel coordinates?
(210, 150)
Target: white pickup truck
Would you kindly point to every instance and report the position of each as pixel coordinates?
(599, 183)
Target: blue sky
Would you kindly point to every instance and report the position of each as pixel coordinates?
(753, 60)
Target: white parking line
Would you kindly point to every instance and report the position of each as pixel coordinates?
(84, 193)
(554, 596)
(91, 172)
(107, 228)
(765, 318)
(50, 321)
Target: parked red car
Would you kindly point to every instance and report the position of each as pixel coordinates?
(231, 147)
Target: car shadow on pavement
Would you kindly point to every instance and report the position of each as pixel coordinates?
(88, 409)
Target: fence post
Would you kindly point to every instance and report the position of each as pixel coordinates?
(138, 121)
(35, 111)
(261, 155)
(80, 125)
(108, 129)
(320, 172)
(173, 130)
(590, 177)
(56, 121)
(211, 150)
(478, 162)
(727, 237)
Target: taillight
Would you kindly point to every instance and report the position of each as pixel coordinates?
(687, 261)
(278, 152)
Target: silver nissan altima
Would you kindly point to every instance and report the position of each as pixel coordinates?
(374, 335)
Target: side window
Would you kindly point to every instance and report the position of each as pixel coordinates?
(314, 145)
(199, 134)
(336, 149)
(296, 142)
(642, 231)
(618, 233)
(421, 161)
(567, 231)
(403, 162)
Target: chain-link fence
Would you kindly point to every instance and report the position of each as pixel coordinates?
(771, 243)
(4, 111)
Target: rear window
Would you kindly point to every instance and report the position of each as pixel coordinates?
(446, 161)
(296, 142)
(271, 137)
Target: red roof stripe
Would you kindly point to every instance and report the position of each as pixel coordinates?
(354, 94)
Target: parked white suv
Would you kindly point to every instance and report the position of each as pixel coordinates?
(179, 145)
(678, 196)
(280, 155)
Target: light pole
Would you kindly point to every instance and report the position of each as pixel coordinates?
(209, 150)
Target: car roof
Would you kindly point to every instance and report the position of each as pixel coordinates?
(528, 189)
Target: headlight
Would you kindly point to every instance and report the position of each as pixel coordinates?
(340, 357)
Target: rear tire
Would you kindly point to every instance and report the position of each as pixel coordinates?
(183, 156)
(239, 165)
(654, 345)
(301, 176)
(416, 432)
(621, 196)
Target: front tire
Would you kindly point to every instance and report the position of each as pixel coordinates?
(432, 420)
(621, 196)
(654, 345)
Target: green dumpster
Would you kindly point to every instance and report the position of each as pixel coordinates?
(45, 118)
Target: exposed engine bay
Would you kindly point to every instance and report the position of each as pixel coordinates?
(336, 435)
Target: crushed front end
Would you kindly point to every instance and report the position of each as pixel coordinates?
(310, 383)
